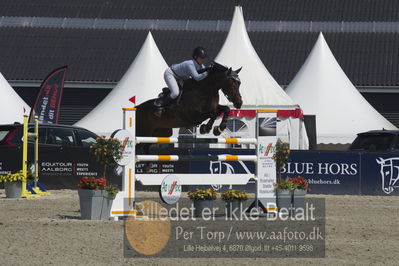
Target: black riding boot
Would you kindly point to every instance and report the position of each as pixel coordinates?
(161, 103)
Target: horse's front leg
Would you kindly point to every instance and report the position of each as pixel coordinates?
(217, 130)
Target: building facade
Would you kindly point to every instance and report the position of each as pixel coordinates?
(99, 39)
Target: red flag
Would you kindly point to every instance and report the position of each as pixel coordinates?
(133, 100)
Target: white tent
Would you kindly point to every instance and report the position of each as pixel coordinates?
(143, 79)
(321, 88)
(12, 107)
(258, 87)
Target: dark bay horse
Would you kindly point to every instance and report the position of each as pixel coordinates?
(198, 102)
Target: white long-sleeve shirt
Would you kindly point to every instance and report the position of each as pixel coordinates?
(188, 69)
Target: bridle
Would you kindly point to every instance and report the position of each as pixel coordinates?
(237, 80)
(230, 75)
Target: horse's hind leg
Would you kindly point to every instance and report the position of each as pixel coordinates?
(206, 128)
(217, 130)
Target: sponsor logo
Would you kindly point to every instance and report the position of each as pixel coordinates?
(170, 189)
(127, 146)
(389, 170)
(127, 143)
(311, 168)
(124, 144)
(267, 150)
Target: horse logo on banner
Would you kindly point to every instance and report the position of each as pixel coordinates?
(219, 167)
(389, 173)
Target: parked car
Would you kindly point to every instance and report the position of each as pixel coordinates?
(49, 135)
(376, 140)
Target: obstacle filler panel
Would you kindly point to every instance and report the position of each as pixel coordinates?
(197, 179)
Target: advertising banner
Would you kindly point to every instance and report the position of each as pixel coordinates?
(326, 172)
(64, 168)
(380, 174)
(10, 159)
(266, 167)
(339, 173)
(48, 100)
(59, 167)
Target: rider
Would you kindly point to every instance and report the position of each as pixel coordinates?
(178, 73)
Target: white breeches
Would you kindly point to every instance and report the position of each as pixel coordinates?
(171, 83)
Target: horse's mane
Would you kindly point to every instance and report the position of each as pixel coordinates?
(214, 68)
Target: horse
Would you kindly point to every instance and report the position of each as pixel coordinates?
(199, 101)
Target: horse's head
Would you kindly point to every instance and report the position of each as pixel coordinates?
(230, 83)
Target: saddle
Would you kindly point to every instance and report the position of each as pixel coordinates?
(160, 107)
(165, 92)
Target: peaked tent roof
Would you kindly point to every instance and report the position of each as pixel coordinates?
(143, 79)
(258, 87)
(321, 88)
(12, 107)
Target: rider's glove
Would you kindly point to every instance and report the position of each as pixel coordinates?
(203, 70)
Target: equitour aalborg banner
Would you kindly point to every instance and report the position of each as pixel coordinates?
(48, 100)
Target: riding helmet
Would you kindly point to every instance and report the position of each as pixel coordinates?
(199, 52)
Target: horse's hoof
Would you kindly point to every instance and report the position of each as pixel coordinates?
(204, 129)
(217, 131)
